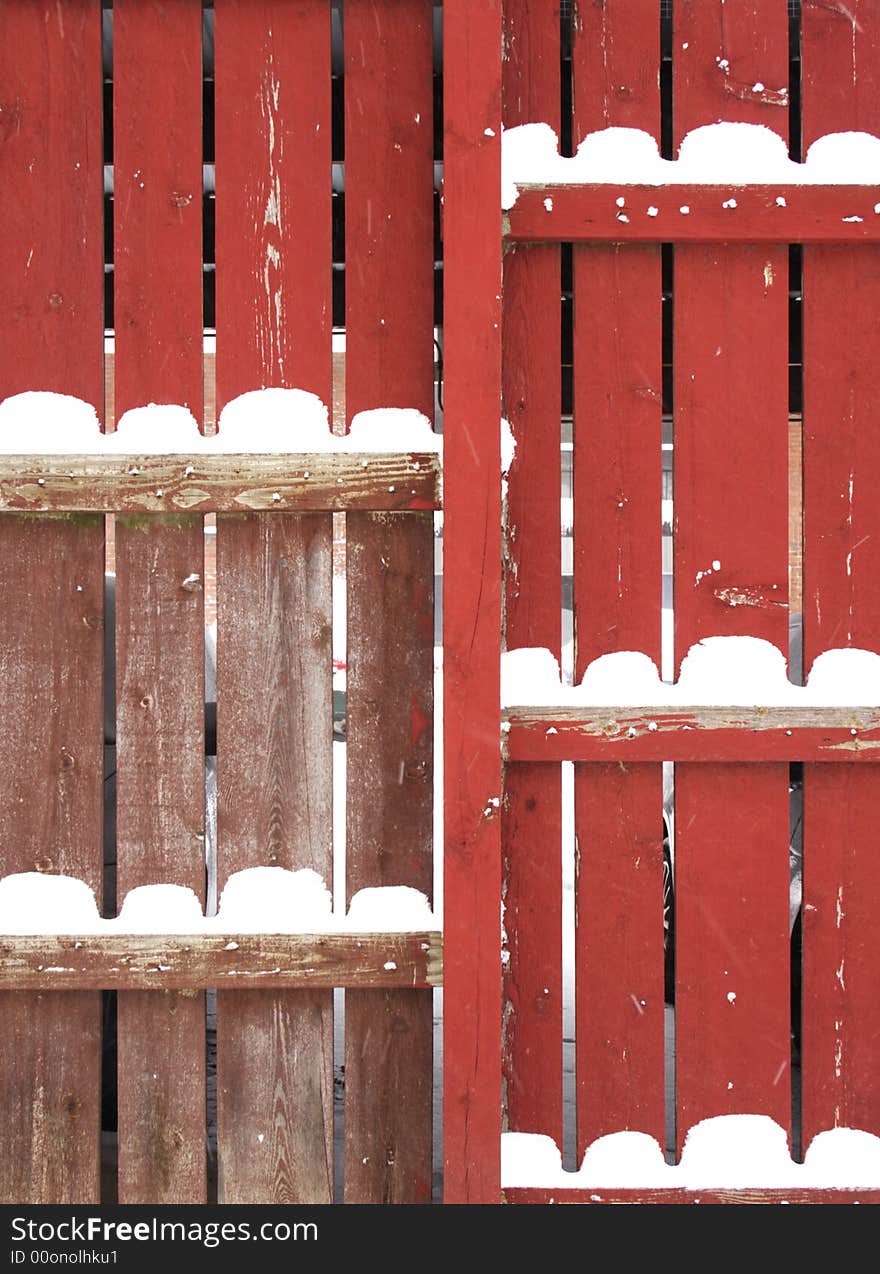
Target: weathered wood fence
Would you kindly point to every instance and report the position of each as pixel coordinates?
(154, 202)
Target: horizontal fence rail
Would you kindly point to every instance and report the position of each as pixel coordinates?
(690, 213)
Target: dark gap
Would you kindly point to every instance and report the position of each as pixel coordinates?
(666, 137)
(209, 185)
(339, 255)
(107, 150)
(796, 864)
(566, 87)
(109, 1104)
(337, 147)
(795, 134)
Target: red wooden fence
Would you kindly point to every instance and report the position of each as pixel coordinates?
(235, 142)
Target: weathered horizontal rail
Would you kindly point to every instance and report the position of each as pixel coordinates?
(745, 1194)
(699, 733)
(223, 483)
(611, 213)
(237, 961)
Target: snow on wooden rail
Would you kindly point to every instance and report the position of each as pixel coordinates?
(731, 182)
(732, 702)
(222, 483)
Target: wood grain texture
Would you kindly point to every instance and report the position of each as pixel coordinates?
(697, 733)
(472, 603)
(274, 809)
(617, 487)
(841, 1018)
(187, 962)
(746, 1195)
(389, 282)
(685, 213)
(274, 316)
(532, 806)
(160, 838)
(160, 788)
(730, 537)
(51, 328)
(51, 803)
(220, 483)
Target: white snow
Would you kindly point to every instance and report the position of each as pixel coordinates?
(389, 909)
(31, 902)
(255, 900)
(175, 907)
(261, 421)
(714, 154)
(724, 1152)
(744, 671)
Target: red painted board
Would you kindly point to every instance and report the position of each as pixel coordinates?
(731, 538)
(157, 203)
(617, 489)
(51, 188)
(157, 130)
(51, 644)
(531, 826)
(273, 184)
(472, 603)
(841, 957)
(274, 674)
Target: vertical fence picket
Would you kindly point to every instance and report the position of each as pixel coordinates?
(389, 291)
(730, 578)
(51, 576)
(617, 489)
(532, 403)
(840, 1013)
(472, 602)
(274, 579)
(160, 784)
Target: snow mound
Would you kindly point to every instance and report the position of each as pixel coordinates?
(31, 902)
(262, 421)
(159, 909)
(713, 154)
(389, 909)
(274, 900)
(725, 1152)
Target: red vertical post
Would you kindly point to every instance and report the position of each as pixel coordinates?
(51, 576)
(160, 765)
(841, 288)
(731, 540)
(389, 362)
(531, 827)
(617, 599)
(274, 579)
(472, 602)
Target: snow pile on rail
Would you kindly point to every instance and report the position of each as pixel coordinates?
(263, 421)
(724, 1152)
(715, 154)
(741, 671)
(256, 900)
